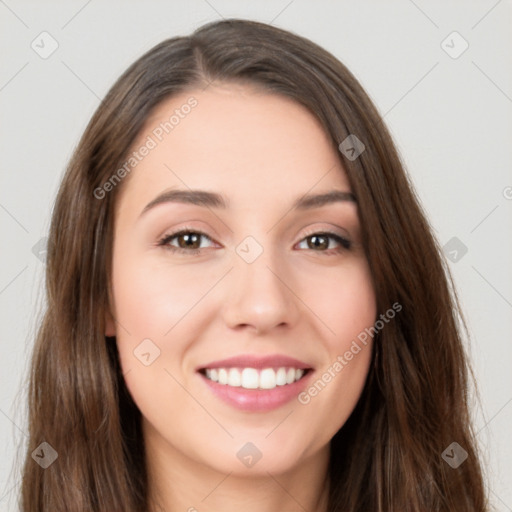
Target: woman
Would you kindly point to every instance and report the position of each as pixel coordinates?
(246, 306)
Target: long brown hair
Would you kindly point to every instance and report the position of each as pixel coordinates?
(388, 455)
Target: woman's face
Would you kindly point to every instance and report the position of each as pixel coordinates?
(237, 338)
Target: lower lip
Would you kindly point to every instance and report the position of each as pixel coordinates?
(257, 400)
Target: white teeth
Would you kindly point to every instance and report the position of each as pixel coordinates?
(234, 378)
(268, 379)
(223, 376)
(281, 377)
(250, 378)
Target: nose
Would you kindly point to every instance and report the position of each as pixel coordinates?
(260, 296)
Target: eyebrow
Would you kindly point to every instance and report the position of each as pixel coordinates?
(214, 200)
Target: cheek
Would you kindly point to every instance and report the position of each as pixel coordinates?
(343, 300)
(352, 312)
(346, 304)
(152, 297)
(159, 312)
(152, 304)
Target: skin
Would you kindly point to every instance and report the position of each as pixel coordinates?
(262, 151)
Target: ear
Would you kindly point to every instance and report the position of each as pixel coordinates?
(110, 325)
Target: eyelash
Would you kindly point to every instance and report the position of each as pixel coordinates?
(164, 242)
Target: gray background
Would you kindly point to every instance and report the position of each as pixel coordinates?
(450, 117)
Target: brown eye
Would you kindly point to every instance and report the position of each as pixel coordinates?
(189, 240)
(322, 242)
(185, 241)
(318, 242)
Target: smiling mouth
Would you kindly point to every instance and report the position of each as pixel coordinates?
(252, 378)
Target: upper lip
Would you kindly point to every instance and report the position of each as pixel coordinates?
(257, 362)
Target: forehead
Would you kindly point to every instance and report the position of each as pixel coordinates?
(237, 140)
